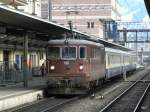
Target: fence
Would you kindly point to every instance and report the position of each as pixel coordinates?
(10, 73)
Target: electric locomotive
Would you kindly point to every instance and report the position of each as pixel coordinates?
(74, 66)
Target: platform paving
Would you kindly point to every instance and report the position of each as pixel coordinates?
(13, 95)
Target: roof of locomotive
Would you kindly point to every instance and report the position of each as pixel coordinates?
(74, 42)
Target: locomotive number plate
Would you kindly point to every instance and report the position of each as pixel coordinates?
(66, 62)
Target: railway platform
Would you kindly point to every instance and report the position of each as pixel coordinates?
(15, 95)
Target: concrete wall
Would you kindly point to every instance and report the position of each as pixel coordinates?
(19, 99)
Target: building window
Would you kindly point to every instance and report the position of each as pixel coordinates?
(41, 55)
(32, 61)
(90, 24)
(18, 64)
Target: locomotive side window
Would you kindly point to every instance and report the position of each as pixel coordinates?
(54, 52)
(82, 52)
(69, 52)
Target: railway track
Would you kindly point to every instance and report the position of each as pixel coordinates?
(131, 99)
(54, 104)
(144, 104)
(47, 105)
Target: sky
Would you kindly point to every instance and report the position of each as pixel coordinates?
(133, 10)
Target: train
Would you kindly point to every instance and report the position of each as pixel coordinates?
(77, 66)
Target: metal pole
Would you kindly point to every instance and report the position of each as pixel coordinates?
(25, 68)
(147, 36)
(50, 10)
(124, 73)
(104, 30)
(136, 48)
(71, 27)
(109, 31)
(141, 56)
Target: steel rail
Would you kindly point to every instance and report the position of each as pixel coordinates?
(50, 108)
(113, 101)
(123, 93)
(29, 105)
(57, 106)
(141, 99)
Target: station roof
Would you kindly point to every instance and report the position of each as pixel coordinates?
(17, 22)
(147, 4)
(14, 2)
(107, 43)
(29, 22)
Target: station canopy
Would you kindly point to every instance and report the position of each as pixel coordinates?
(14, 2)
(14, 25)
(147, 4)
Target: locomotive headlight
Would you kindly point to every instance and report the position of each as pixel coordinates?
(81, 67)
(52, 67)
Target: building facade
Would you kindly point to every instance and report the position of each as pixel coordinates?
(88, 16)
(35, 58)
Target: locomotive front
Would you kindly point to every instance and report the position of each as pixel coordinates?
(67, 66)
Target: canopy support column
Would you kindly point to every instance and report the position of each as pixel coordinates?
(25, 67)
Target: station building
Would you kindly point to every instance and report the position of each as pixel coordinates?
(94, 17)
(86, 15)
(11, 55)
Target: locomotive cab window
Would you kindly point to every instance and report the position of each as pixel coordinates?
(54, 52)
(69, 53)
(82, 52)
